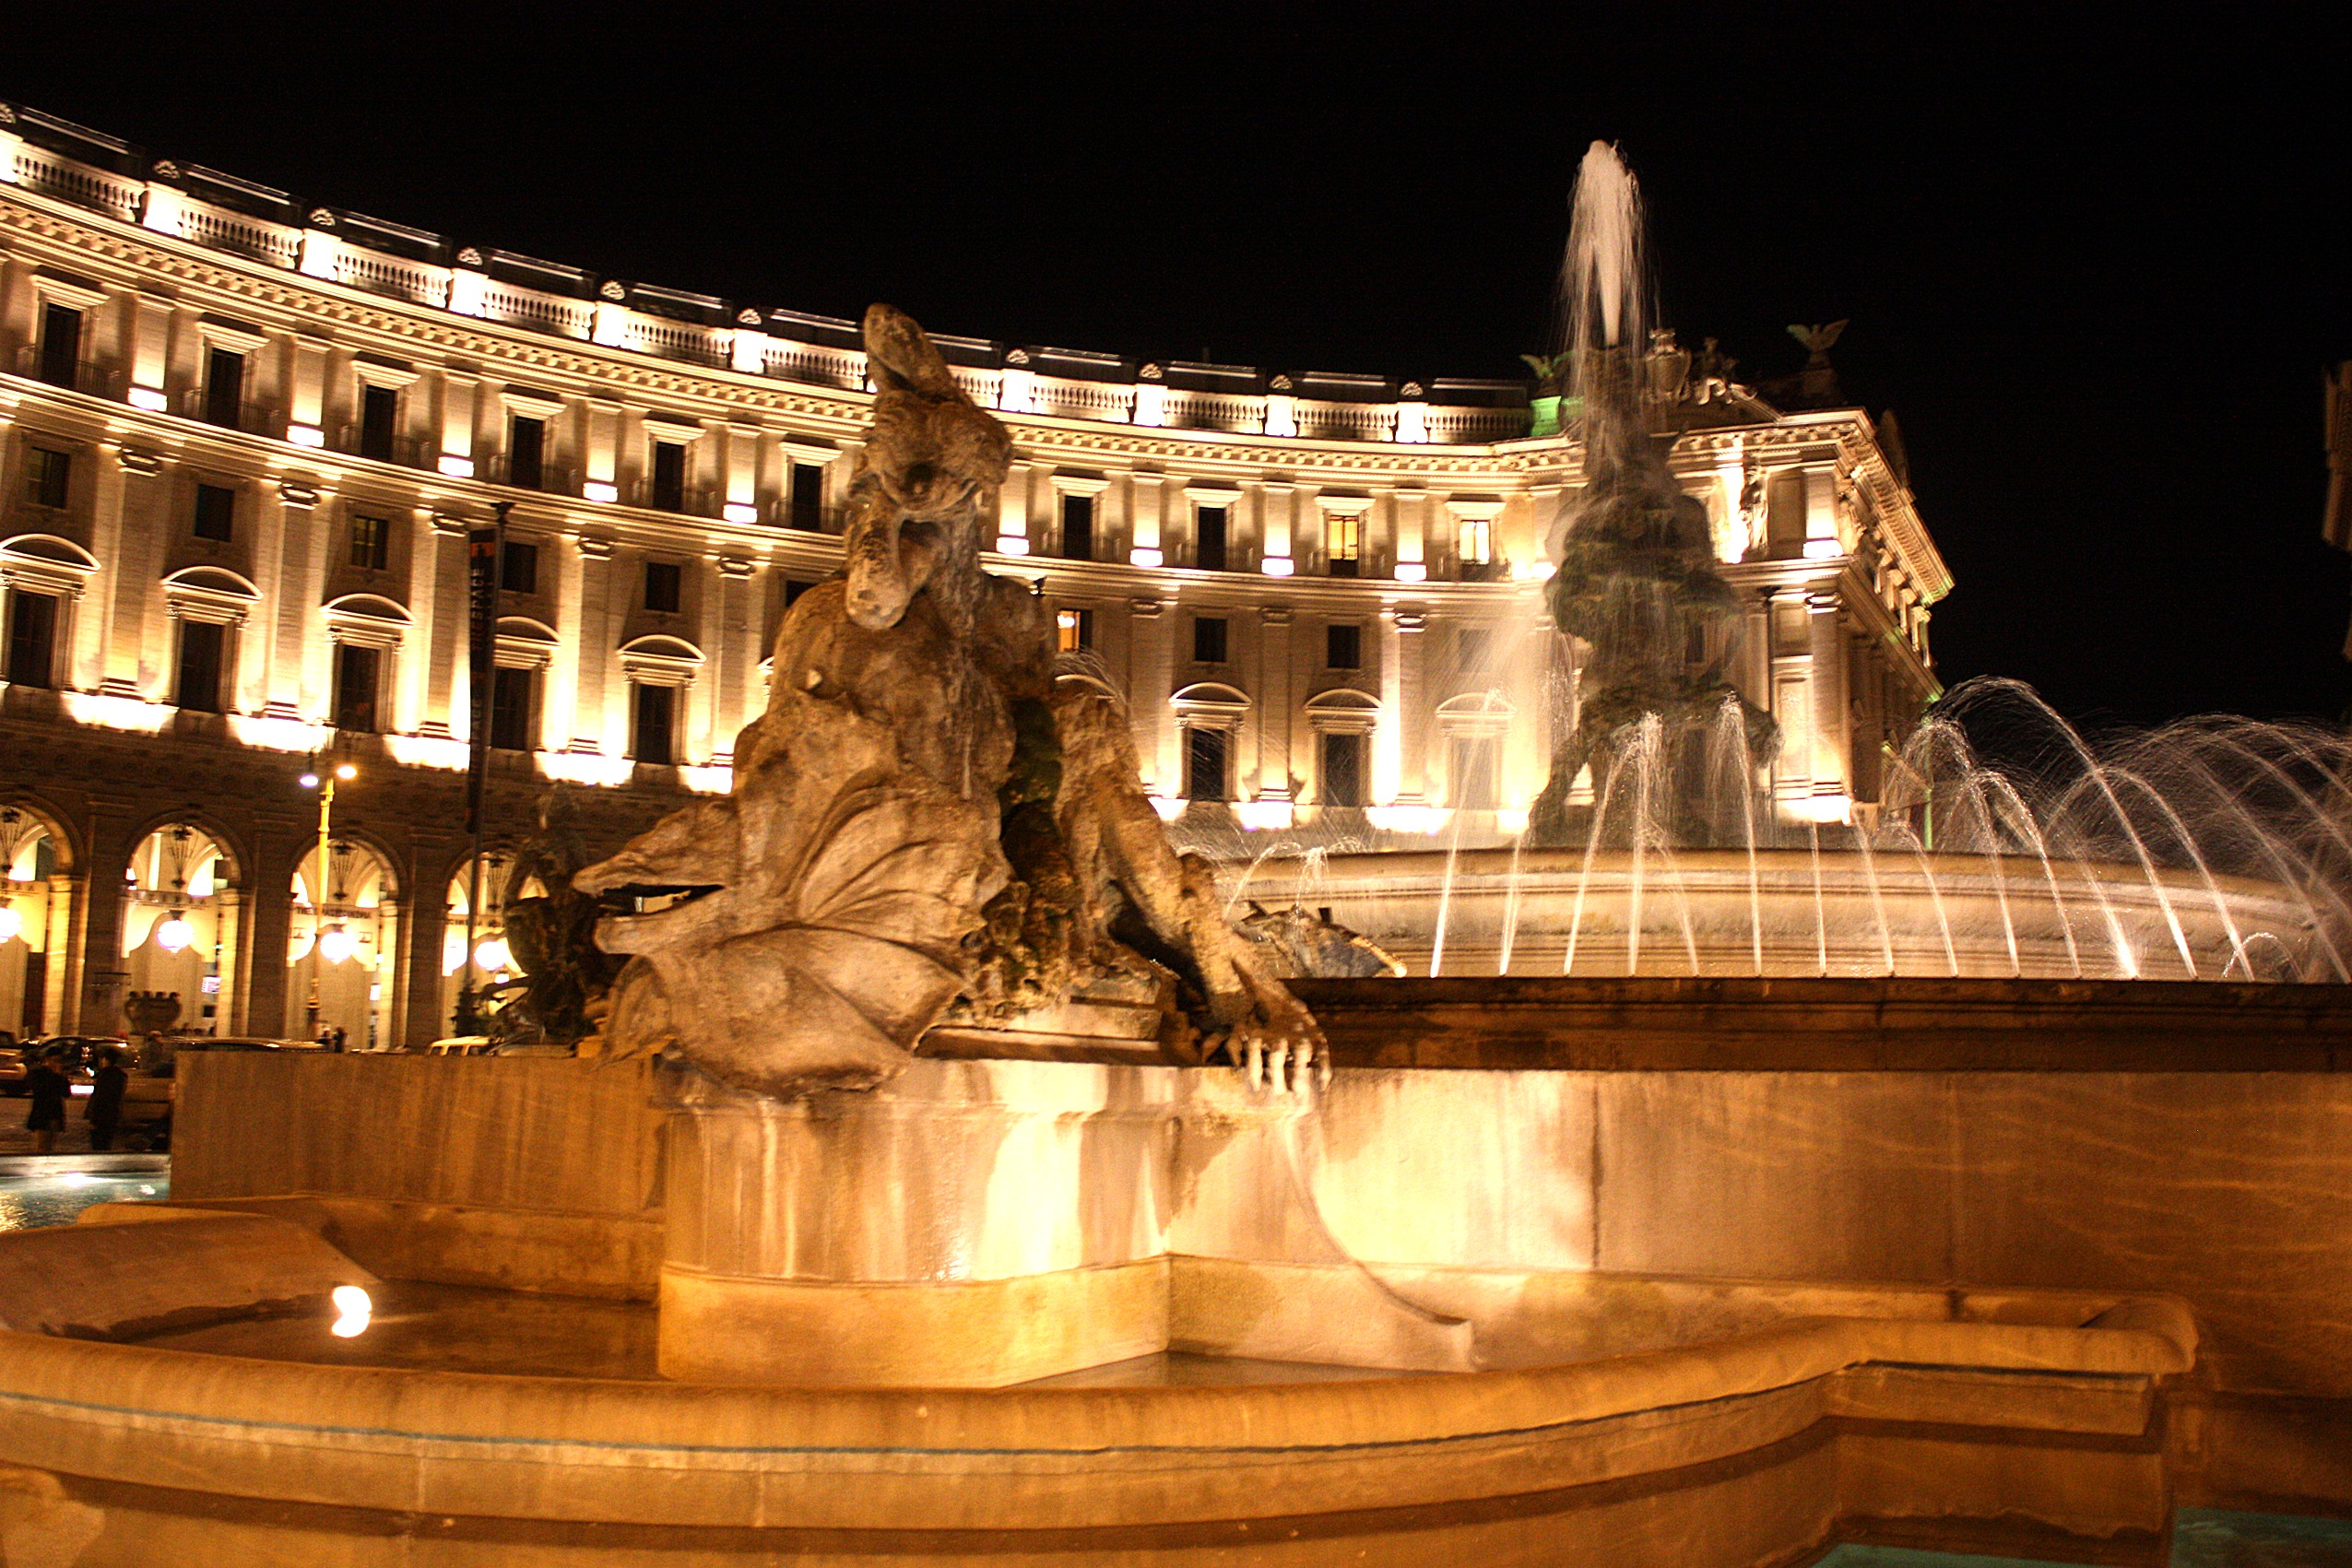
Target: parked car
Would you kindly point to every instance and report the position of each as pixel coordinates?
(171, 1049)
(13, 1072)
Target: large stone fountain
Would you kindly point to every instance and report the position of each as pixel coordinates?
(956, 1185)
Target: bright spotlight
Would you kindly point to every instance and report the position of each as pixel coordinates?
(493, 954)
(353, 1308)
(309, 781)
(11, 923)
(344, 771)
(175, 934)
(336, 943)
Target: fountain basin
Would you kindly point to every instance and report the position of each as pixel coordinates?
(1786, 912)
(1786, 1417)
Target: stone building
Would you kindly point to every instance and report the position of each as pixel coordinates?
(242, 439)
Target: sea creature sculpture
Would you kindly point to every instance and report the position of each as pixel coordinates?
(806, 930)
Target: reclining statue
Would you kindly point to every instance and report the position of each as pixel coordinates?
(924, 812)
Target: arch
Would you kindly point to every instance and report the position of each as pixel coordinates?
(47, 550)
(64, 845)
(1343, 700)
(1489, 706)
(235, 859)
(215, 582)
(368, 607)
(674, 650)
(1212, 696)
(523, 629)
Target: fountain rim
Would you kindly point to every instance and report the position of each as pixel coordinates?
(1545, 865)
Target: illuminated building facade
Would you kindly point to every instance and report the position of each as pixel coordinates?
(241, 441)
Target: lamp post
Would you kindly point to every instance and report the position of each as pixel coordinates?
(323, 781)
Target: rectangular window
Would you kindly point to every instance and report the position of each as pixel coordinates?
(1209, 538)
(1476, 544)
(1343, 770)
(1473, 772)
(1074, 629)
(357, 681)
(216, 513)
(1342, 543)
(224, 386)
(32, 638)
(1474, 650)
(379, 421)
(49, 475)
(518, 568)
(1078, 527)
(654, 707)
(201, 646)
(1344, 647)
(669, 493)
(1208, 639)
(61, 345)
(371, 543)
(512, 694)
(662, 583)
(1204, 763)
(792, 592)
(808, 497)
(527, 452)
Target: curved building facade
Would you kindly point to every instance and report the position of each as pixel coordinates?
(242, 439)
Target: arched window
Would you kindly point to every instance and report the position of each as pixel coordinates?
(1209, 715)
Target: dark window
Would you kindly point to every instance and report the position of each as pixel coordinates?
(224, 386)
(1078, 527)
(1344, 647)
(808, 497)
(61, 344)
(357, 671)
(49, 475)
(1204, 763)
(663, 580)
(1343, 770)
(202, 644)
(379, 421)
(526, 451)
(371, 543)
(1473, 770)
(518, 568)
(1473, 646)
(1209, 536)
(1074, 629)
(670, 477)
(32, 638)
(1208, 639)
(792, 591)
(510, 694)
(654, 705)
(216, 514)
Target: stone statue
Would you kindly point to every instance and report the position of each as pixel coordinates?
(552, 933)
(916, 759)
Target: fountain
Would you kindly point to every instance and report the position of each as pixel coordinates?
(954, 1177)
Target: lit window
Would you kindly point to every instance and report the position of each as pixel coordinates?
(1476, 546)
(1074, 629)
(1342, 542)
(371, 543)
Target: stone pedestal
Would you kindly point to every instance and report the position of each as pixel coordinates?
(971, 1223)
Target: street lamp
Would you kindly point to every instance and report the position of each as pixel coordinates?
(323, 781)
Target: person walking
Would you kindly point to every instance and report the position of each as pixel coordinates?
(49, 1088)
(104, 1111)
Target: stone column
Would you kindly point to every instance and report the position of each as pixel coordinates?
(278, 845)
(1150, 628)
(422, 935)
(440, 591)
(598, 711)
(61, 987)
(228, 907)
(1275, 706)
(96, 958)
(733, 652)
(94, 620)
(1400, 747)
(1832, 725)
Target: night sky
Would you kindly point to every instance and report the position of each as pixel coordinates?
(2094, 259)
